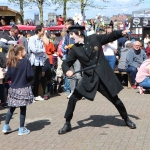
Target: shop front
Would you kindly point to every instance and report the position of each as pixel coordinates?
(140, 26)
(8, 15)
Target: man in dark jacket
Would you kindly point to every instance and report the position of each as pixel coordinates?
(9, 37)
(88, 50)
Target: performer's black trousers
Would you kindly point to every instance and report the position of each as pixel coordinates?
(115, 100)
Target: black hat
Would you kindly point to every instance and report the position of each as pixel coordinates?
(76, 27)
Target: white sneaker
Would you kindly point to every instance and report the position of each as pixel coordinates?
(39, 98)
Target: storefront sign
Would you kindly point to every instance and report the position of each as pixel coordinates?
(141, 15)
(137, 22)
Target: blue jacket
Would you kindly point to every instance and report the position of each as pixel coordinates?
(67, 41)
(122, 40)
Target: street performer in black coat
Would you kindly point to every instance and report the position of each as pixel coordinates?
(88, 50)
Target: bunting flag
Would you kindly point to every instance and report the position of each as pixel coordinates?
(137, 3)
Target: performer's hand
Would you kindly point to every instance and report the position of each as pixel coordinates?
(66, 47)
(125, 32)
(69, 73)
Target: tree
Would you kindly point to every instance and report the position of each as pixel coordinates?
(83, 4)
(40, 4)
(21, 3)
(62, 3)
(64, 9)
(90, 3)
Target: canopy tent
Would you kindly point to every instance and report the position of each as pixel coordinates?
(55, 27)
(25, 27)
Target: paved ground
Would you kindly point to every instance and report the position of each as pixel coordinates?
(96, 125)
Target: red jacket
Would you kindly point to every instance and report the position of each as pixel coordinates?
(60, 21)
(50, 49)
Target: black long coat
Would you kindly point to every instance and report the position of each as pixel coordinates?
(91, 53)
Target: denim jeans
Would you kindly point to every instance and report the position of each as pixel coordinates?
(132, 71)
(145, 83)
(74, 81)
(66, 85)
(111, 60)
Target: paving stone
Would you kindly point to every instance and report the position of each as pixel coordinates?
(96, 125)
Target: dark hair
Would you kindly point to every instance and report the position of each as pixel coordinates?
(14, 28)
(76, 31)
(48, 36)
(38, 29)
(22, 33)
(142, 43)
(70, 21)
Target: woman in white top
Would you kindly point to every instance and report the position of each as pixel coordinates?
(121, 26)
(146, 40)
(109, 51)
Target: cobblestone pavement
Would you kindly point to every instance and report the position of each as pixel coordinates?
(96, 125)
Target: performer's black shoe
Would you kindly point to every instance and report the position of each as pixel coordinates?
(130, 124)
(66, 128)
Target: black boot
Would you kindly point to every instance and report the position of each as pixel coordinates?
(66, 128)
(130, 124)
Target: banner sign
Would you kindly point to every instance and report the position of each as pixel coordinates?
(142, 15)
(137, 22)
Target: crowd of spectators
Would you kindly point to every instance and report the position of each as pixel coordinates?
(46, 54)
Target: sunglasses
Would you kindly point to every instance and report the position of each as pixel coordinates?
(16, 33)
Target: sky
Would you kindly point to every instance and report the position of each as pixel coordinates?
(112, 7)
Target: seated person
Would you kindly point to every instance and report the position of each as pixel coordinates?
(134, 59)
(148, 47)
(143, 74)
(123, 55)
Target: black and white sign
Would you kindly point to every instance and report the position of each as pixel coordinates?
(145, 22)
(136, 22)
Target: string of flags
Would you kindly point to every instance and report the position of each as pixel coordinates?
(116, 6)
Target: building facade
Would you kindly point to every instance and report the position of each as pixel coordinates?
(9, 14)
(119, 17)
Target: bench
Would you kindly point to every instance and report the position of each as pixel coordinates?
(125, 73)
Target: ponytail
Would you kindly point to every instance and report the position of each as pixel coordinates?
(13, 52)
